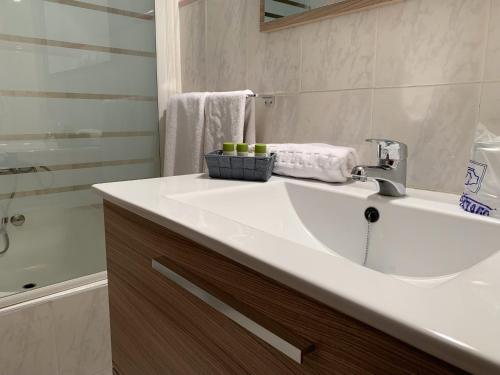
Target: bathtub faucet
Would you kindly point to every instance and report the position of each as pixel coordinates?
(4, 236)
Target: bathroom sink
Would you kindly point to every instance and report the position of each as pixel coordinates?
(431, 277)
(414, 237)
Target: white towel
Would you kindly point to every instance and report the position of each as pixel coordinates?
(314, 160)
(249, 126)
(185, 122)
(225, 114)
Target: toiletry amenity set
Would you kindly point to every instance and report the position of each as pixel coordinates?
(235, 162)
(315, 160)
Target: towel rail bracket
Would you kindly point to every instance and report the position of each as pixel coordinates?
(268, 99)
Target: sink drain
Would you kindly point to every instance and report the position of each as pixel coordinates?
(372, 215)
(29, 286)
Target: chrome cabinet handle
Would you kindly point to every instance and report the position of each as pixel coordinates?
(295, 350)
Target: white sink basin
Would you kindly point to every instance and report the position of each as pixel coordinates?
(413, 238)
(431, 278)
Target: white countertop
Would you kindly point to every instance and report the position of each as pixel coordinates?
(457, 321)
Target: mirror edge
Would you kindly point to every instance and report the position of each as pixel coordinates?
(327, 11)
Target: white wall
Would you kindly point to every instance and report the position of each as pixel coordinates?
(416, 71)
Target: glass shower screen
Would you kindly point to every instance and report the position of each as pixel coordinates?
(77, 106)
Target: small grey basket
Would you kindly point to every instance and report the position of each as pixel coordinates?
(240, 167)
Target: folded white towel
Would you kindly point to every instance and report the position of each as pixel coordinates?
(185, 121)
(225, 114)
(314, 160)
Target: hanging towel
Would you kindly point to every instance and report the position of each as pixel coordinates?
(249, 126)
(185, 122)
(314, 160)
(229, 117)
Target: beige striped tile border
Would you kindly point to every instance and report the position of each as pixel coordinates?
(102, 8)
(67, 189)
(30, 193)
(183, 3)
(71, 45)
(75, 95)
(99, 164)
(21, 137)
(74, 166)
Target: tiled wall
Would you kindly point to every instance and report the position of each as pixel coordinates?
(64, 336)
(416, 71)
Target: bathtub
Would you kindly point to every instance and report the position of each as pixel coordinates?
(58, 248)
(57, 329)
(53, 291)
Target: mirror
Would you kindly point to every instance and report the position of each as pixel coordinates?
(280, 14)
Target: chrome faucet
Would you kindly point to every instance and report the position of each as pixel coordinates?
(390, 173)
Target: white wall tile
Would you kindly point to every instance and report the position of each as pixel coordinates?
(27, 342)
(490, 107)
(277, 121)
(225, 48)
(341, 118)
(339, 53)
(430, 42)
(492, 66)
(82, 332)
(192, 35)
(263, 121)
(273, 58)
(437, 123)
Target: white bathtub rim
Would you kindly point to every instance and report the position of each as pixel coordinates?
(47, 293)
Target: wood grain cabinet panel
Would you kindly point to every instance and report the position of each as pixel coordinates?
(159, 328)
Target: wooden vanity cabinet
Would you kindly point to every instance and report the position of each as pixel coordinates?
(158, 327)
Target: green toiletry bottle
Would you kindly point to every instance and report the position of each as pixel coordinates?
(242, 149)
(261, 150)
(228, 149)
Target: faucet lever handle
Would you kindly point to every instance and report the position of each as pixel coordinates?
(388, 149)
